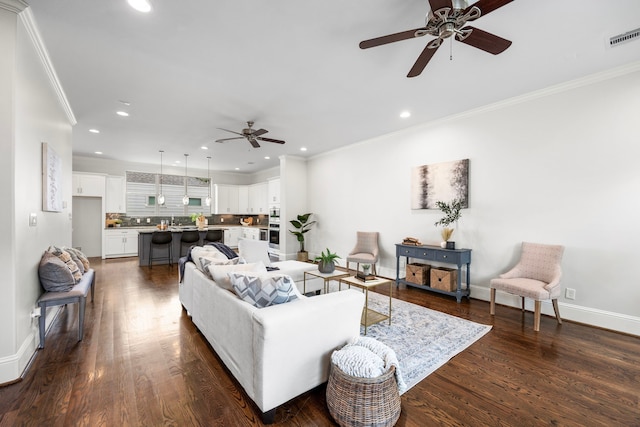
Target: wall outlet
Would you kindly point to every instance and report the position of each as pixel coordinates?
(221, 219)
(570, 293)
(138, 220)
(148, 220)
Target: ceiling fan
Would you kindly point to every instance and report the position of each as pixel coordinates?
(251, 135)
(445, 19)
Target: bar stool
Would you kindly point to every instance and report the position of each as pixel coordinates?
(159, 239)
(214, 236)
(189, 237)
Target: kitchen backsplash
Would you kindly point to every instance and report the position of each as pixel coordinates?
(120, 220)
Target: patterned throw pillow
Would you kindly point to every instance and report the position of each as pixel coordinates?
(220, 273)
(81, 256)
(206, 261)
(263, 291)
(75, 259)
(66, 258)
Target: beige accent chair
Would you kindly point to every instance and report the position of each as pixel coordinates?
(536, 276)
(365, 251)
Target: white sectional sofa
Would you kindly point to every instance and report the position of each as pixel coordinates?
(278, 352)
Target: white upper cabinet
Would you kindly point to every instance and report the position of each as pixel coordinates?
(258, 198)
(88, 185)
(115, 201)
(243, 200)
(226, 200)
(274, 191)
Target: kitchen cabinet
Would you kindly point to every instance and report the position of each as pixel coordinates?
(274, 191)
(88, 185)
(243, 199)
(115, 200)
(226, 199)
(251, 233)
(259, 198)
(232, 235)
(121, 243)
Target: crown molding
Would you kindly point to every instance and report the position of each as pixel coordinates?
(34, 34)
(15, 6)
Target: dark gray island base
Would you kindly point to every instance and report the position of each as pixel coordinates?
(144, 246)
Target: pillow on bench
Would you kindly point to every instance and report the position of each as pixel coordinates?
(55, 275)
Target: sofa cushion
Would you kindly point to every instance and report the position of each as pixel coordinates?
(263, 290)
(254, 251)
(54, 274)
(220, 273)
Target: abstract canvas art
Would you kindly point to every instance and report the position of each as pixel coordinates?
(51, 180)
(440, 181)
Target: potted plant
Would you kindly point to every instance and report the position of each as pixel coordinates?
(327, 262)
(452, 214)
(366, 268)
(302, 225)
(199, 219)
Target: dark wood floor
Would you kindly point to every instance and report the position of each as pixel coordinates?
(143, 363)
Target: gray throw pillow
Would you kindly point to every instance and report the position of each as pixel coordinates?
(263, 291)
(54, 274)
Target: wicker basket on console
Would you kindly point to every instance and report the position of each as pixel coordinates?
(363, 402)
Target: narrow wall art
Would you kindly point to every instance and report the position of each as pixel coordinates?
(440, 181)
(51, 180)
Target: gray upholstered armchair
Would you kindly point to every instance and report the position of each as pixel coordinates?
(536, 276)
(365, 251)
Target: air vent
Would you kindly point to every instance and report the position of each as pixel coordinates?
(624, 38)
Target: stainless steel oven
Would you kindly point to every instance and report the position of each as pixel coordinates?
(274, 235)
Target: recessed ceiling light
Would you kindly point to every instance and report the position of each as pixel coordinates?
(140, 5)
(98, 152)
(405, 114)
(127, 103)
(237, 169)
(94, 131)
(267, 157)
(303, 149)
(204, 147)
(122, 113)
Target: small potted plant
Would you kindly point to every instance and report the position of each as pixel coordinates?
(452, 214)
(301, 225)
(327, 262)
(366, 268)
(199, 219)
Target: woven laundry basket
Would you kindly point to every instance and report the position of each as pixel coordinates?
(363, 402)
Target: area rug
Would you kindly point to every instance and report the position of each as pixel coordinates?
(423, 339)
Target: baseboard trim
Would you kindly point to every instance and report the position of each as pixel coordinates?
(575, 313)
(14, 367)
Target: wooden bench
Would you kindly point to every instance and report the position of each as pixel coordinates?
(78, 294)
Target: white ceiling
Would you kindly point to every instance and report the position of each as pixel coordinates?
(295, 67)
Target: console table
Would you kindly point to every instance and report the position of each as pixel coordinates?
(459, 257)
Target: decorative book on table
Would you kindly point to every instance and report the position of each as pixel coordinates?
(364, 277)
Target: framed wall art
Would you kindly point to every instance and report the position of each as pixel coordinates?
(51, 180)
(440, 181)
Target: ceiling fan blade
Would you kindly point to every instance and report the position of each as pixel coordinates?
(391, 38)
(259, 132)
(232, 131)
(439, 4)
(486, 41)
(422, 61)
(228, 139)
(253, 142)
(277, 141)
(488, 6)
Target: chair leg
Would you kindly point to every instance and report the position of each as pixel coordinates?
(556, 310)
(536, 316)
(492, 310)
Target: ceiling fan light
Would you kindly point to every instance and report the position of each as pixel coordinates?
(140, 5)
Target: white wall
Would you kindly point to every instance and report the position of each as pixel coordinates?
(35, 115)
(555, 167)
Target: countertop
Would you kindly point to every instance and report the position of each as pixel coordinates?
(180, 229)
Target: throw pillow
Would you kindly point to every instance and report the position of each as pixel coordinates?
(81, 256)
(54, 274)
(220, 273)
(75, 259)
(66, 258)
(263, 291)
(205, 262)
(198, 252)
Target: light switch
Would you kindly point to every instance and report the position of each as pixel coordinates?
(33, 220)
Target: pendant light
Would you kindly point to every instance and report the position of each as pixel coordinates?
(207, 201)
(161, 196)
(185, 199)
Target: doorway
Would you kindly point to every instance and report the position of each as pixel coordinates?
(87, 225)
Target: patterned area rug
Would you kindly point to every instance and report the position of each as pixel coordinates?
(423, 339)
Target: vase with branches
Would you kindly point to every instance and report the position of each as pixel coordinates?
(452, 213)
